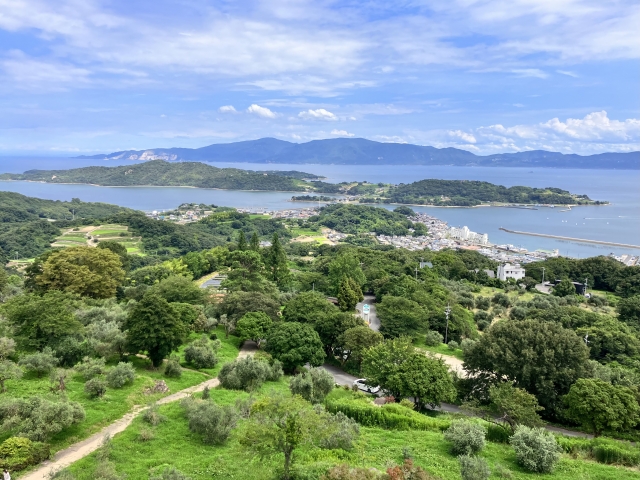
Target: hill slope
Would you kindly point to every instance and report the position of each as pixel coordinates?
(359, 151)
(162, 173)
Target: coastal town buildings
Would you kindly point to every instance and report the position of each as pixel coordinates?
(507, 271)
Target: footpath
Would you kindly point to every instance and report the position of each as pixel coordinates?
(79, 450)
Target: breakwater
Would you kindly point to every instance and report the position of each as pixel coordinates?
(571, 239)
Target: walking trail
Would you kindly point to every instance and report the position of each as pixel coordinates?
(79, 450)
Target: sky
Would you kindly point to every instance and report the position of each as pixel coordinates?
(488, 76)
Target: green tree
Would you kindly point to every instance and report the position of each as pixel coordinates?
(119, 249)
(86, 271)
(427, 380)
(8, 371)
(254, 244)
(280, 425)
(295, 344)
(331, 326)
(349, 294)
(242, 241)
(357, 340)
(154, 326)
(541, 357)
(177, 288)
(4, 279)
(247, 273)
(400, 316)
(629, 311)
(564, 288)
(276, 261)
(213, 422)
(42, 320)
(382, 365)
(346, 264)
(236, 304)
(313, 385)
(306, 307)
(254, 326)
(600, 406)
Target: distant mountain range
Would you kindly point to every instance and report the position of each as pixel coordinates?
(359, 151)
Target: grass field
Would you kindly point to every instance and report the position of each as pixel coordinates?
(101, 233)
(174, 444)
(441, 349)
(227, 353)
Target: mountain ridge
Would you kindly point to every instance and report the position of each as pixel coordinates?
(360, 151)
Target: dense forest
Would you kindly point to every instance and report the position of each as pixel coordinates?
(161, 173)
(470, 193)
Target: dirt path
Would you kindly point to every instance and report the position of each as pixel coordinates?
(77, 451)
(453, 363)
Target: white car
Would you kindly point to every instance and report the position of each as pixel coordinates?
(361, 383)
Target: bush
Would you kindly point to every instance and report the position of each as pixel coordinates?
(152, 416)
(610, 452)
(536, 450)
(482, 316)
(96, 387)
(466, 438)
(473, 468)
(170, 473)
(501, 299)
(244, 374)
(38, 418)
(433, 338)
(90, 367)
(121, 375)
(483, 303)
(340, 432)
(18, 453)
(211, 421)
(483, 324)
(206, 394)
(172, 368)
(313, 385)
(275, 372)
(518, 313)
(466, 345)
(146, 434)
(69, 350)
(497, 434)
(201, 353)
(41, 363)
(345, 472)
(453, 345)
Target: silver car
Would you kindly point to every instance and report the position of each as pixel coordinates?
(361, 383)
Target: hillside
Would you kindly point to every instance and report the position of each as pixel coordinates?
(359, 151)
(162, 173)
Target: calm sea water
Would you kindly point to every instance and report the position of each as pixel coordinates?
(618, 222)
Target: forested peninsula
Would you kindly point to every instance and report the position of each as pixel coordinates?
(180, 174)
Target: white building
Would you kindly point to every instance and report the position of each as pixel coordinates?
(510, 271)
(465, 234)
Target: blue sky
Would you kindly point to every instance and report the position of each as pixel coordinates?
(82, 76)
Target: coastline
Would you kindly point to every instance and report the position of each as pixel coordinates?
(571, 239)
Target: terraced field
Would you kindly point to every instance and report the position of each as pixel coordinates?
(93, 235)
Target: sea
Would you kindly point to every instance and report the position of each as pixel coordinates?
(618, 222)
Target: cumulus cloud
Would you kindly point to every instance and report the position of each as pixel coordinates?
(594, 133)
(318, 114)
(227, 109)
(341, 133)
(263, 112)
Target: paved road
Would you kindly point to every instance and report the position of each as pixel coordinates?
(343, 378)
(374, 321)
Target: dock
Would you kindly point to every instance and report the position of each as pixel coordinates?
(571, 239)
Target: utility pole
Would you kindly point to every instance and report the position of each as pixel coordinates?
(447, 311)
(542, 274)
(416, 274)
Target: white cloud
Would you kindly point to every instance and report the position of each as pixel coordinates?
(567, 73)
(318, 114)
(227, 109)
(263, 112)
(464, 136)
(530, 72)
(342, 133)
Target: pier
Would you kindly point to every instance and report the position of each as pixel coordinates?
(571, 239)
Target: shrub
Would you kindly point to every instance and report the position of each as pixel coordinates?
(206, 395)
(170, 473)
(211, 421)
(7, 347)
(275, 372)
(501, 299)
(483, 303)
(90, 367)
(473, 468)
(201, 353)
(466, 438)
(518, 313)
(482, 316)
(96, 387)
(38, 418)
(340, 432)
(313, 385)
(121, 375)
(152, 416)
(433, 338)
(69, 350)
(345, 472)
(453, 345)
(18, 453)
(536, 450)
(497, 434)
(172, 368)
(244, 374)
(146, 434)
(466, 345)
(40, 363)
(405, 402)
(609, 452)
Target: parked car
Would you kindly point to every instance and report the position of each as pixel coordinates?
(361, 383)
